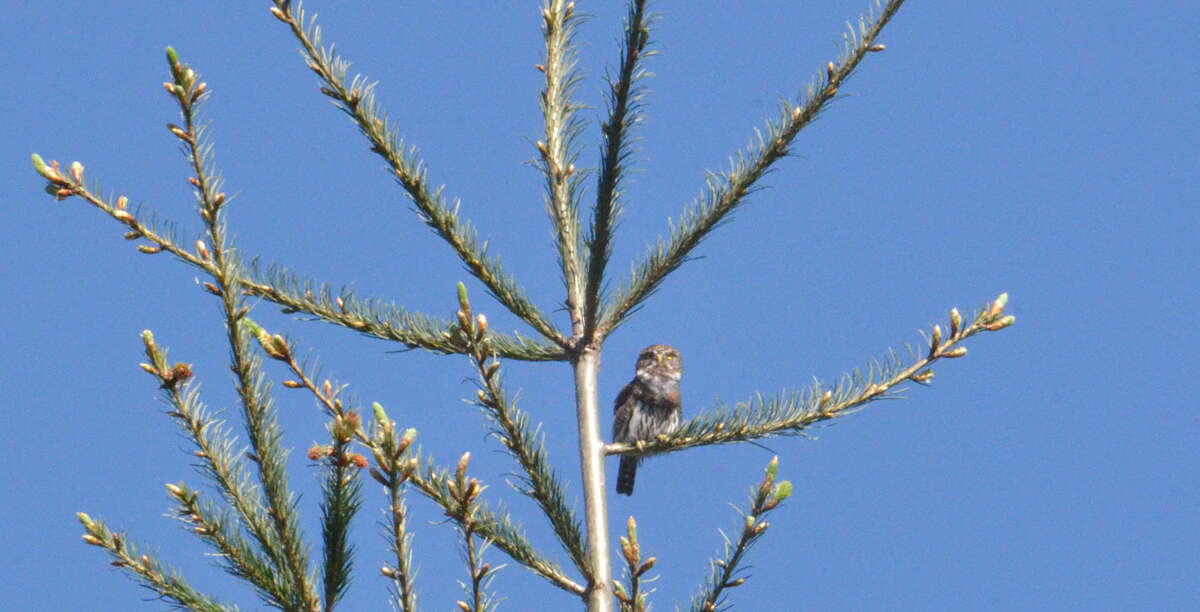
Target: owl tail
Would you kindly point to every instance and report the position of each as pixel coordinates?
(626, 474)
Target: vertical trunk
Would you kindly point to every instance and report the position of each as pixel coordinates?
(591, 459)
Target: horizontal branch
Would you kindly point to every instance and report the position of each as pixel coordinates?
(370, 316)
(792, 413)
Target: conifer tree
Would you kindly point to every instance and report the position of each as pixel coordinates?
(247, 512)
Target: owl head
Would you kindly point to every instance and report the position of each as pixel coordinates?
(659, 363)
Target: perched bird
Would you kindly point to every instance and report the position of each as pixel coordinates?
(648, 406)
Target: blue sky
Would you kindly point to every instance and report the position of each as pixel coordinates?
(1047, 153)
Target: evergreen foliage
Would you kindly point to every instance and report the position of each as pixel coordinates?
(249, 516)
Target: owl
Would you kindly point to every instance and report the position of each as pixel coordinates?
(648, 406)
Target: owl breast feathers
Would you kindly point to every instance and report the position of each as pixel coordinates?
(648, 406)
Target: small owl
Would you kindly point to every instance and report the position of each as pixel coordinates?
(648, 406)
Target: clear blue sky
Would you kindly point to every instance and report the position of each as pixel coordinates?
(1049, 153)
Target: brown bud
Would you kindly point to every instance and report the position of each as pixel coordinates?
(407, 440)
(181, 372)
(77, 171)
(958, 352)
(955, 322)
(293, 384)
(829, 71)
(213, 289)
(203, 249)
(93, 540)
(998, 305)
(380, 478)
(460, 472)
(876, 48)
(619, 591)
(922, 377)
(1001, 323)
(317, 452)
(647, 566)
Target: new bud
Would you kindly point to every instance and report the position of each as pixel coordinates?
(381, 416)
(460, 472)
(463, 302)
(998, 305)
(1001, 323)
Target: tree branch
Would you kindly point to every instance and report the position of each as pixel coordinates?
(560, 150)
(723, 575)
(624, 112)
(149, 571)
(725, 192)
(792, 413)
(357, 99)
(510, 426)
(262, 424)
